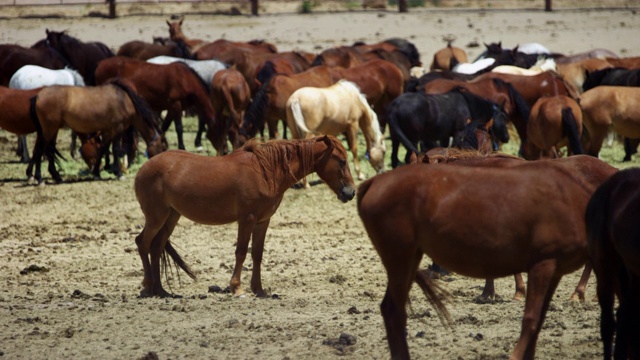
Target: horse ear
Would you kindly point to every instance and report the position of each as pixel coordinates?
(515, 49)
(489, 124)
(413, 158)
(468, 121)
(168, 23)
(181, 20)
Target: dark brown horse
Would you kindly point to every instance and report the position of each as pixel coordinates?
(230, 97)
(614, 251)
(174, 87)
(109, 108)
(424, 209)
(245, 186)
(555, 122)
(144, 51)
(82, 56)
(13, 57)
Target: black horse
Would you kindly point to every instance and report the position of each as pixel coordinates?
(614, 250)
(431, 120)
(612, 77)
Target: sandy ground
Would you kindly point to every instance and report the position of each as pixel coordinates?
(70, 274)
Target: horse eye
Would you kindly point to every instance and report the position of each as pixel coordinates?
(342, 162)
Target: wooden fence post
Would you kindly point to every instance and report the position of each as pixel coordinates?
(254, 7)
(112, 8)
(402, 6)
(547, 5)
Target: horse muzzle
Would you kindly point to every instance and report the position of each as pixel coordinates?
(347, 193)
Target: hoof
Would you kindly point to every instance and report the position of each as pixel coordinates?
(199, 149)
(122, 178)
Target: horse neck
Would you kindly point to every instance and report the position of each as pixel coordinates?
(284, 163)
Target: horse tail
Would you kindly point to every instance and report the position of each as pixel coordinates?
(319, 60)
(254, 115)
(298, 117)
(142, 107)
(394, 126)
(521, 104)
(266, 72)
(570, 129)
(51, 151)
(177, 260)
(436, 295)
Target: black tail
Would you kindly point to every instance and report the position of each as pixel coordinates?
(254, 115)
(177, 260)
(51, 152)
(522, 107)
(570, 129)
(394, 126)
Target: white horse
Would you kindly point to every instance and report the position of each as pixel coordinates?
(32, 77)
(340, 108)
(474, 67)
(541, 66)
(206, 69)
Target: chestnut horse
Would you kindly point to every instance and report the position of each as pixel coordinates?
(110, 109)
(230, 97)
(607, 108)
(229, 52)
(176, 34)
(593, 171)
(555, 121)
(245, 186)
(339, 108)
(442, 58)
(174, 87)
(144, 51)
(614, 251)
(424, 209)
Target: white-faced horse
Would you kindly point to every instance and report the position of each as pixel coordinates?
(32, 77)
(333, 110)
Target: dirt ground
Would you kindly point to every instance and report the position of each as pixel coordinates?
(70, 274)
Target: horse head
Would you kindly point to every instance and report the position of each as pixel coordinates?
(332, 167)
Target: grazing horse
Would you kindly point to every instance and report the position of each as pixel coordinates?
(555, 121)
(430, 120)
(33, 77)
(442, 58)
(614, 251)
(432, 210)
(176, 34)
(607, 108)
(173, 87)
(109, 108)
(230, 97)
(82, 56)
(144, 51)
(339, 108)
(245, 186)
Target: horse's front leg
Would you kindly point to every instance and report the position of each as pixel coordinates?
(352, 142)
(23, 150)
(245, 228)
(257, 249)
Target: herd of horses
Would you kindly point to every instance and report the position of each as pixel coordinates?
(547, 217)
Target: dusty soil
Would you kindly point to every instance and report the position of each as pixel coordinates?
(70, 275)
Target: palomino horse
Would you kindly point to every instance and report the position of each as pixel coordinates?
(339, 108)
(33, 77)
(245, 186)
(230, 97)
(173, 87)
(432, 210)
(555, 121)
(176, 34)
(607, 108)
(543, 64)
(82, 56)
(442, 58)
(591, 170)
(418, 120)
(109, 108)
(614, 249)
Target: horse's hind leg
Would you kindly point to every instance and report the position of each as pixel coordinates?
(581, 288)
(23, 149)
(157, 248)
(154, 222)
(542, 283)
(257, 249)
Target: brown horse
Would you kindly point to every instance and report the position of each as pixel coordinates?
(575, 73)
(144, 51)
(13, 57)
(593, 172)
(109, 108)
(230, 96)
(290, 62)
(245, 186)
(442, 58)
(627, 62)
(176, 34)
(174, 87)
(609, 107)
(555, 121)
(423, 209)
(229, 52)
(614, 251)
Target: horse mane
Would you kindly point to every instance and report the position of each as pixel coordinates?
(375, 124)
(266, 72)
(275, 157)
(142, 107)
(272, 48)
(521, 105)
(449, 155)
(407, 48)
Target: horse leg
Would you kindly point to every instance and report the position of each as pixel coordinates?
(395, 144)
(521, 289)
(352, 142)
(73, 147)
(154, 222)
(257, 249)
(158, 245)
(488, 292)
(543, 281)
(117, 154)
(581, 288)
(245, 228)
(104, 148)
(400, 276)
(36, 160)
(202, 128)
(23, 149)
